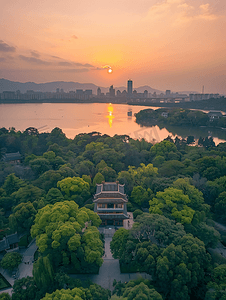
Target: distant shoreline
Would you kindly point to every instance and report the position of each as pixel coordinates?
(211, 104)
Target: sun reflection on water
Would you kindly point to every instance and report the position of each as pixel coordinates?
(110, 115)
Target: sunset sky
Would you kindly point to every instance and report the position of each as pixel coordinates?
(171, 44)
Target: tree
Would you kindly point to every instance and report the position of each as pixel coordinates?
(26, 289)
(136, 213)
(55, 161)
(127, 178)
(60, 233)
(99, 178)
(141, 196)
(11, 260)
(40, 165)
(141, 292)
(109, 174)
(75, 188)
(12, 184)
(171, 168)
(220, 207)
(27, 193)
(99, 293)
(43, 272)
(118, 242)
(196, 197)
(48, 180)
(163, 149)
(145, 174)
(5, 296)
(157, 229)
(190, 139)
(23, 216)
(76, 293)
(111, 157)
(136, 289)
(180, 269)
(54, 195)
(173, 204)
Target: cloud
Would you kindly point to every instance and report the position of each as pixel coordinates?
(34, 60)
(57, 57)
(74, 70)
(83, 65)
(74, 37)
(179, 11)
(6, 48)
(35, 54)
(206, 12)
(98, 69)
(2, 59)
(64, 63)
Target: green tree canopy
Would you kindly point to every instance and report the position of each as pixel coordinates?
(181, 268)
(74, 188)
(141, 292)
(157, 229)
(22, 217)
(163, 149)
(12, 184)
(11, 260)
(118, 242)
(60, 232)
(173, 204)
(74, 294)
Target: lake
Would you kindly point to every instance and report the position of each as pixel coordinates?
(75, 118)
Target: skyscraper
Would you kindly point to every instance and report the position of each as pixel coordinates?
(129, 87)
(111, 91)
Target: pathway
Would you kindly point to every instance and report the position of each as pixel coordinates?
(24, 269)
(110, 269)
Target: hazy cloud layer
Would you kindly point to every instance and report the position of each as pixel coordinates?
(6, 48)
(35, 54)
(180, 11)
(34, 60)
(82, 70)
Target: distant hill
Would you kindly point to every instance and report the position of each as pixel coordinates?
(7, 85)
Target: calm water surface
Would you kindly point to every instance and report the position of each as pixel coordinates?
(75, 118)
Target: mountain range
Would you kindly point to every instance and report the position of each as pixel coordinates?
(8, 85)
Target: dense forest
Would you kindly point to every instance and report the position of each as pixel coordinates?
(176, 191)
(179, 117)
(210, 104)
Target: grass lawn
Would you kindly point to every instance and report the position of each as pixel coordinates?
(4, 283)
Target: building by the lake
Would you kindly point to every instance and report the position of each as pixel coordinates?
(110, 203)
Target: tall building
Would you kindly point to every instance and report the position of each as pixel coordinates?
(129, 87)
(110, 203)
(111, 91)
(98, 92)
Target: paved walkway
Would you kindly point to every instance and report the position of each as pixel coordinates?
(24, 269)
(110, 269)
(219, 226)
(128, 223)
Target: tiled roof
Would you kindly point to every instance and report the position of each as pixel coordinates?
(11, 156)
(9, 240)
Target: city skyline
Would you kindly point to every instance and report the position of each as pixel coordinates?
(172, 44)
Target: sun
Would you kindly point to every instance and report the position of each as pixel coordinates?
(110, 70)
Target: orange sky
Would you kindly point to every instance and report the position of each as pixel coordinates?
(171, 44)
